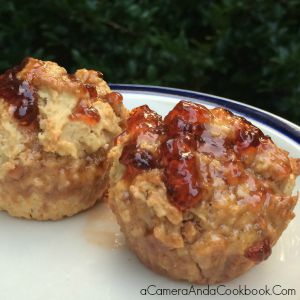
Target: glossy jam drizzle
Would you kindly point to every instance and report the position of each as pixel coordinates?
(186, 117)
(259, 251)
(184, 133)
(114, 98)
(91, 90)
(136, 160)
(86, 113)
(176, 153)
(20, 94)
(247, 135)
(141, 120)
(184, 124)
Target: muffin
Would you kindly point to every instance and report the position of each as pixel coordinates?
(55, 132)
(201, 195)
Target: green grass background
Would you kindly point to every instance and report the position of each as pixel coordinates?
(245, 50)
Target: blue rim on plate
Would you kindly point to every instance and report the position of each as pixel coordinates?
(285, 127)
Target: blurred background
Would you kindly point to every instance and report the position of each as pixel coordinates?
(245, 50)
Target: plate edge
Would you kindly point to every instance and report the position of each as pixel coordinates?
(280, 124)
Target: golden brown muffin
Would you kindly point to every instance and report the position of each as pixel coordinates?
(202, 195)
(55, 132)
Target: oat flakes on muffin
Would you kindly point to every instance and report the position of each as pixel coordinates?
(55, 132)
(202, 195)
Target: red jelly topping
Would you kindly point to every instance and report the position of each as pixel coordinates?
(183, 124)
(259, 251)
(215, 146)
(182, 181)
(114, 98)
(177, 148)
(184, 132)
(187, 117)
(86, 113)
(20, 94)
(91, 90)
(248, 137)
(136, 160)
(180, 174)
(144, 119)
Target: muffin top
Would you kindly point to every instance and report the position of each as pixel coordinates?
(209, 170)
(60, 113)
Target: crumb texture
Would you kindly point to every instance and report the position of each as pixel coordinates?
(55, 132)
(201, 195)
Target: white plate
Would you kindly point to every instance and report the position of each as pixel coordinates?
(80, 258)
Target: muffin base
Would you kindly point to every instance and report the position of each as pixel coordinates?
(50, 187)
(162, 246)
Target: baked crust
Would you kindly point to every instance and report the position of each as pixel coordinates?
(48, 187)
(55, 132)
(240, 215)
